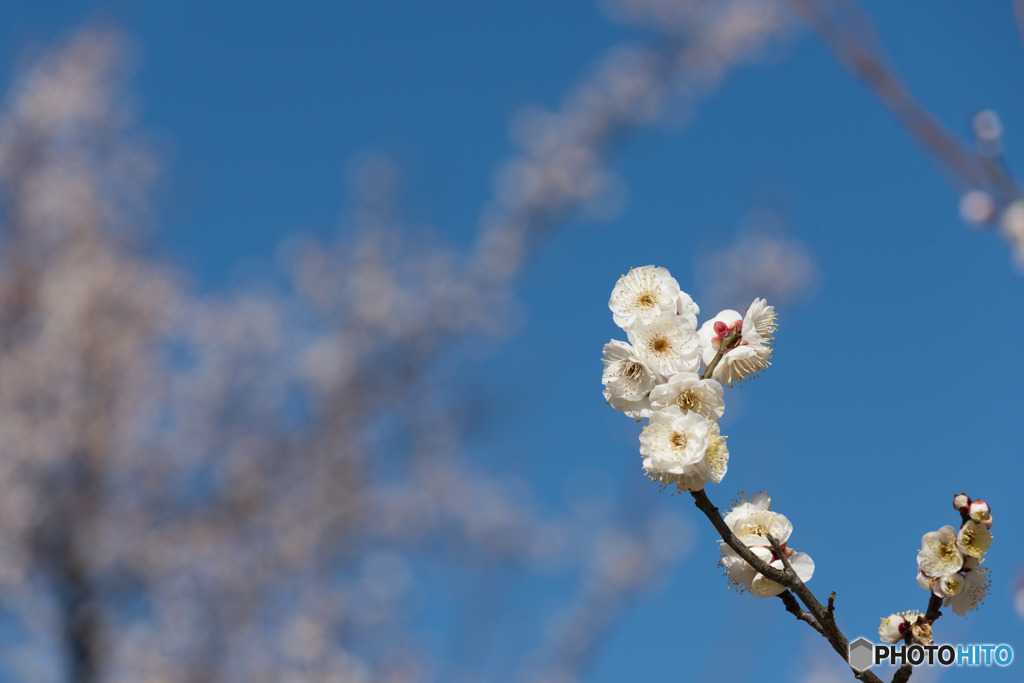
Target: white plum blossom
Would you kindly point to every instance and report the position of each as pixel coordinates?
(627, 380)
(892, 628)
(762, 318)
(747, 505)
(752, 522)
(740, 363)
(945, 586)
(802, 564)
(895, 627)
(939, 555)
(949, 562)
(749, 340)
(691, 393)
(625, 375)
(745, 577)
(668, 345)
(673, 440)
(683, 449)
(979, 511)
(741, 575)
(973, 539)
(687, 309)
(948, 586)
(738, 571)
(712, 466)
(975, 589)
(643, 295)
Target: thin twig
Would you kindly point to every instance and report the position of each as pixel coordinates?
(726, 343)
(780, 552)
(793, 607)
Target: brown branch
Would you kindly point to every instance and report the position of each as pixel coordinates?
(780, 552)
(793, 607)
(934, 603)
(902, 674)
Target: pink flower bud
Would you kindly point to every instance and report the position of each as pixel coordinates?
(961, 501)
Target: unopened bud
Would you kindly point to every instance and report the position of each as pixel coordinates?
(961, 501)
(979, 511)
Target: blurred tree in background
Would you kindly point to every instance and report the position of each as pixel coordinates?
(239, 486)
(235, 487)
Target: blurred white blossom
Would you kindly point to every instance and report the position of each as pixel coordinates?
(761, 262)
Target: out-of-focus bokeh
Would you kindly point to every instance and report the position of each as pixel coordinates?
(301, 319)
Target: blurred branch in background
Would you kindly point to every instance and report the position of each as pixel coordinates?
(989, 193)
(1018, 10)
(562, 164)
(252, 486)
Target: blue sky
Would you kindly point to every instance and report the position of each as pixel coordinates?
(895, 385)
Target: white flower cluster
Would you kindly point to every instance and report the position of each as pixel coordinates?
(949, 562)
(752, 522)
(895, 628)
(656, 375)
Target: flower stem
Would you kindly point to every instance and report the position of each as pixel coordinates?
(728, 341)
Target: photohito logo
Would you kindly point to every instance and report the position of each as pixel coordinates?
(863, 654)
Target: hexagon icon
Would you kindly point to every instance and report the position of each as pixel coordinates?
(860, 657)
